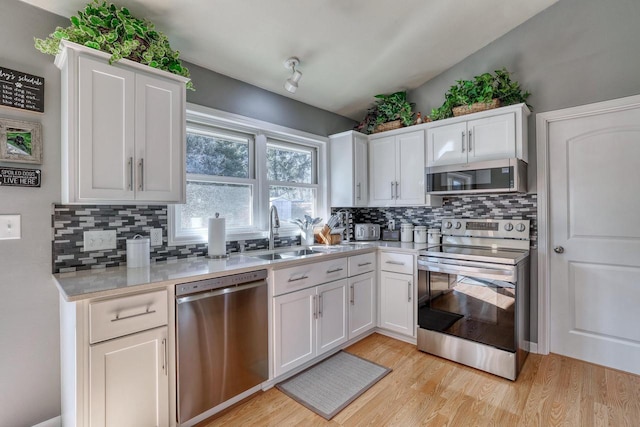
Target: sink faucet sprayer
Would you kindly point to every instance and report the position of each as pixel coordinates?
(274, 224)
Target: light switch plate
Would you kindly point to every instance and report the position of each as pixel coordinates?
(99, 240)
(155, 235)
(9, 227)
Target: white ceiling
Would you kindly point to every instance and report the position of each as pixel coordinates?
(349, 50)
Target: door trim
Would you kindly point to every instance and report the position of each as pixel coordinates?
(543, 120)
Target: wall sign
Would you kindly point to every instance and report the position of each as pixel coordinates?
(15, 177)
(21, 90)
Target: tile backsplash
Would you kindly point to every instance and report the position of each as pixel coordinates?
(69, 222)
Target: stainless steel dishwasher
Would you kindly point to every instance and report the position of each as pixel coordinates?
(222, 342)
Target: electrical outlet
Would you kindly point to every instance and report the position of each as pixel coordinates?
(99, 240)
(155, 235)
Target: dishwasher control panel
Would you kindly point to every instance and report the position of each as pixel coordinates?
(220, 282)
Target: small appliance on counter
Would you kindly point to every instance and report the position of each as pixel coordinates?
(367, 232)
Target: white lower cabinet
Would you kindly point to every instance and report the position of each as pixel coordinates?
(129, 381)
(362, 304)
(397, 279)
(396, 302)
(308, 323)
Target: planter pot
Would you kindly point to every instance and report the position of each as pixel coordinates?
(396, 124)
(476, 107)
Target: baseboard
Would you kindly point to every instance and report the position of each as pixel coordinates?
(533, 347)
(53, 422)
(397, 336)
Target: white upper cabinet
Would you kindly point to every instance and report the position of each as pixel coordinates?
(488, 135)
(396, 170)
(349, 178)
(123, 130)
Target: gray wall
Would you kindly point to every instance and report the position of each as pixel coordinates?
(575, 52)
(29, 359)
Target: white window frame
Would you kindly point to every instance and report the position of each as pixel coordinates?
(203, 117)
(285, 227)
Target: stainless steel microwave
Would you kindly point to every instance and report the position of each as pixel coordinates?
(493, 176)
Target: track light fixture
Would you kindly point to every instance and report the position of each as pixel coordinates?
(291, 84)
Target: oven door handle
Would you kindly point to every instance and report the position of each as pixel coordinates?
(505, 275)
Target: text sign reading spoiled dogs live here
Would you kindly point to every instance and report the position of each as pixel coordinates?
(21, 90)
(16, 177)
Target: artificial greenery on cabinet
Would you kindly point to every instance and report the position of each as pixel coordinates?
(388, 108)
(484, 89)
(112, 29)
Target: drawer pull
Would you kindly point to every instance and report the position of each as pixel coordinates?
(299, 278)
(335, 270)
(364, 263)
(118, 318)
(395, 262)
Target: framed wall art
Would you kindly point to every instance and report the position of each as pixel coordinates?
(20, 141)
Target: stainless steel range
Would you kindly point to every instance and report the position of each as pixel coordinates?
(473, 295)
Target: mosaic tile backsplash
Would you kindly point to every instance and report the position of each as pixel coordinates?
(69, 222)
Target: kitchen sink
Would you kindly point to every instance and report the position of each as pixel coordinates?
(287, 254)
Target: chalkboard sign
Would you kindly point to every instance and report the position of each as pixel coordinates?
(21, 90)
(20, 177)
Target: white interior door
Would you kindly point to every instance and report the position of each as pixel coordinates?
(594, 237)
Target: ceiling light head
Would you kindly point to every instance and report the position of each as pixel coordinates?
(291, 85)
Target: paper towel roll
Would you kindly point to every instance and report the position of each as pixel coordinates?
(217, 236)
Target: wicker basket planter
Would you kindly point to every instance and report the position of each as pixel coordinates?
(396, 124)
(474, 108)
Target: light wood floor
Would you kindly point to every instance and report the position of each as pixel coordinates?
(426, 390)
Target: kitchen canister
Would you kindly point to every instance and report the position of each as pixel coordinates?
(434, 236)
(420, 234)
(138, 251)
(406, 232)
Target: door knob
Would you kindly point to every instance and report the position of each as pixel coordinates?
(558, 249)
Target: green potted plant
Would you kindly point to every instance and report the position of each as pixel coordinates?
(389, 112)
(112, 29)
(484, 92)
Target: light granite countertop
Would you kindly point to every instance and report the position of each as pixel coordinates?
(113, 281)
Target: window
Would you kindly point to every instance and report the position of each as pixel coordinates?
(238, 167)
(220, 179)
(292, 176)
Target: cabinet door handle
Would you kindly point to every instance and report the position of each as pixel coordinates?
(392, 190)
(165, 368)
(130, 173)
(320, 305)
(469, 142)
(409, 291)
(463, 135)
(353, 296)
(395, 262)
(118, 318)
(359, 196)
(315, 307)
(397, 190)
(364, 263)
(299, 278)
(141, 165)
(335, 270)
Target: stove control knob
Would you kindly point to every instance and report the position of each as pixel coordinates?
(508, 226)
(458, 225)
(448, 224)
(520, 227)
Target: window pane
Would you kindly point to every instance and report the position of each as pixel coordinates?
(289, 165)
(204, 199)
(293, 202)
(217, 155)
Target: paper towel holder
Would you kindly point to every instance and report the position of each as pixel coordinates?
(225, 256)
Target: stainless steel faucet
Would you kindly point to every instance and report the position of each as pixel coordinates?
(274, 224)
